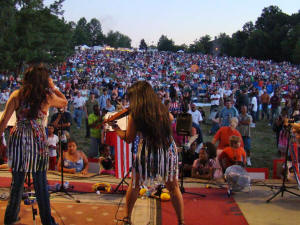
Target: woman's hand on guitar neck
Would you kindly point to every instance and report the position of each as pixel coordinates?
(114, 125)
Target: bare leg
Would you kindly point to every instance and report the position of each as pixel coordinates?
(177, 200)
(131, 197)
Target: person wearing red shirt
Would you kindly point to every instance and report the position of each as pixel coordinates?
(232, 155)
(223, 134)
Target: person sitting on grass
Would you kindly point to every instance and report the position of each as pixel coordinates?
(106, 161)
(205, 166)
(74, 161)
(233, 155)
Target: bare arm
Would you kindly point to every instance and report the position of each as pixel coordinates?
(214, 141)
(209, 176)
(56, 99)
(3, 166)
(11, 106)
(73, 170)
(194, 172)
(129, 134)
(247, 122)
(85, 162)
(171, 117)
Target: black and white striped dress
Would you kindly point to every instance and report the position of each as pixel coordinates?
(27, 146)
(154, 166)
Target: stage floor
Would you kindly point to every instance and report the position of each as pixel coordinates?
(107, 208)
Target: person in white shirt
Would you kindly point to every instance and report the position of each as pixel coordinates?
(254, 108)
(196, 115)
(79, 104)
(227, 92)
(52, 142)
(221, 92)
(214, 101)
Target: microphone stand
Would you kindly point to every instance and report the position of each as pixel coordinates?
(123, 181)
(62, 188)
(283, 187)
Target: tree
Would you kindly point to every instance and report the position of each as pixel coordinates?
(225, 44)
(255, 46)
(165, 44)
(195, 47)
(32, 32)
(248, 27)
(56, 7)
(182, 47)
(239, 40)
(7, 35)
(275, 23)
(112, 39)
(124, 41)
(206, 44)
(143, 45)
(296, 53)
(81, 34)
(95, 31)
(203, 45)
(270, 17)
(116, 39)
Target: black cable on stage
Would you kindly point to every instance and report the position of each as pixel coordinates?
(119, 205)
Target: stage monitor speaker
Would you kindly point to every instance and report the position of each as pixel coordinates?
(184, 124)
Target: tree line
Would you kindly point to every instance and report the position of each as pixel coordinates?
(275, 35)
(31, 31)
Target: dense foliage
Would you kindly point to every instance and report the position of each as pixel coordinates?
(31, 32)
(275, 35)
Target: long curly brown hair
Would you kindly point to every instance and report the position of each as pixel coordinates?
(150, 116)
(35, 88)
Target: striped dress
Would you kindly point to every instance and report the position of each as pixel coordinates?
(154, 166)
(27, 146)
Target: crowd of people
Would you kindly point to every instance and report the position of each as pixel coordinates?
(246, 89)
(90, 84)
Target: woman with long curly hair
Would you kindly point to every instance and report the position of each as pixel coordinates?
(27, 148)
(149, 127)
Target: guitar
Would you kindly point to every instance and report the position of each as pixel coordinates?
(117, 116)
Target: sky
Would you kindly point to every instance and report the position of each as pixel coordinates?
(183, 21)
